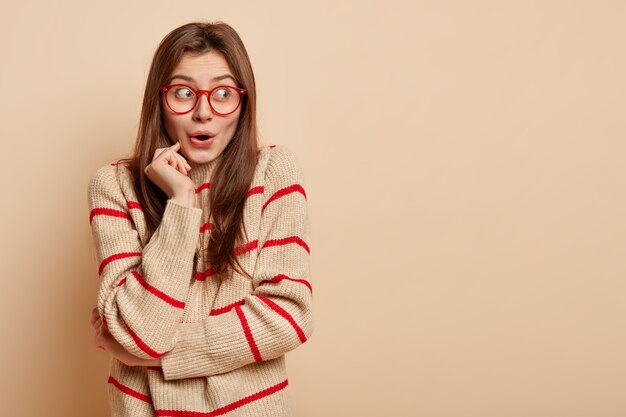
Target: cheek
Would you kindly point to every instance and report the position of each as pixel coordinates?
(170, 124)
(231, 123)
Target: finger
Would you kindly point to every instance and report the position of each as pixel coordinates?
(94, 315)
(182, 157)
(174, 160)
(165, 154)
(175, 147)
(184, 161)
(170, 157)
(158, 152)
(183, 166)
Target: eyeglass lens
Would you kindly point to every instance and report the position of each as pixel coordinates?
(223, 100)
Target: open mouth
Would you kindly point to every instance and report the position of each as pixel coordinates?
(202, 137)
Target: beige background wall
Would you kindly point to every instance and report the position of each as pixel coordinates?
(466, 181)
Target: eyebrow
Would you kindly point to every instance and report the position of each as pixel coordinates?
(187, 78)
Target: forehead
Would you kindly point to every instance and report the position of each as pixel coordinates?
(202, 67)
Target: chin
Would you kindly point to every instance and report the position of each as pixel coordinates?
(201, 157)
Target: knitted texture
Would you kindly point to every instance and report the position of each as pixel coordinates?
(221, 340)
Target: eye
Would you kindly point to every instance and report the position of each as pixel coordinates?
(183, 92)
(222, 94)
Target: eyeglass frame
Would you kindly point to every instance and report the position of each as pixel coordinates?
(198, 93)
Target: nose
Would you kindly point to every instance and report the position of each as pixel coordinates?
(203, 109)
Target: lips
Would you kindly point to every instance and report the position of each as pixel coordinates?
(202, 135)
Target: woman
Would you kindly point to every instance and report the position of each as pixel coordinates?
(201, 239)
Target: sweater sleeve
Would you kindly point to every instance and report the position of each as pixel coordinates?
(277, 316)
(142, 289)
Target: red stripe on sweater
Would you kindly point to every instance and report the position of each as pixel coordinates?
(101, 211)
(172, 301)
(248, 333)
(204, 186)
(205, 227)
(281, 277)
(247, 247)
(286, 315)
(125, 165)
(142, 345)
(295, 188)
(227, 408)
(239, 250)
(256, 190)
(226, 309)
(134, 205)
(129, 391)
(259, 150)
(286, 241)
(122, 281)
(116, 257)
(201, 276)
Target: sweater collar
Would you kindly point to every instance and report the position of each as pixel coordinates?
(202, 173)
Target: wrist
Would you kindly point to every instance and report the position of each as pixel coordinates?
(147, 362)
(185, 199)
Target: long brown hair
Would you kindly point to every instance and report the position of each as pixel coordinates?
(233, 175)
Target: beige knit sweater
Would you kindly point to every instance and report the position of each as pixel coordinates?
(221, 340)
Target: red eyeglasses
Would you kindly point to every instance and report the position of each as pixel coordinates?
(223, 99)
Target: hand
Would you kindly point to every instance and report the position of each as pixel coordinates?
(105, 341)
(168, 170)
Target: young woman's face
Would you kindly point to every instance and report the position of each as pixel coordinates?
(201, 72)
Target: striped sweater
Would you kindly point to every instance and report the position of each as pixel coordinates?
(221, 340)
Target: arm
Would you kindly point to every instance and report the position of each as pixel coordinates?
(277, 317)
(142, 289)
